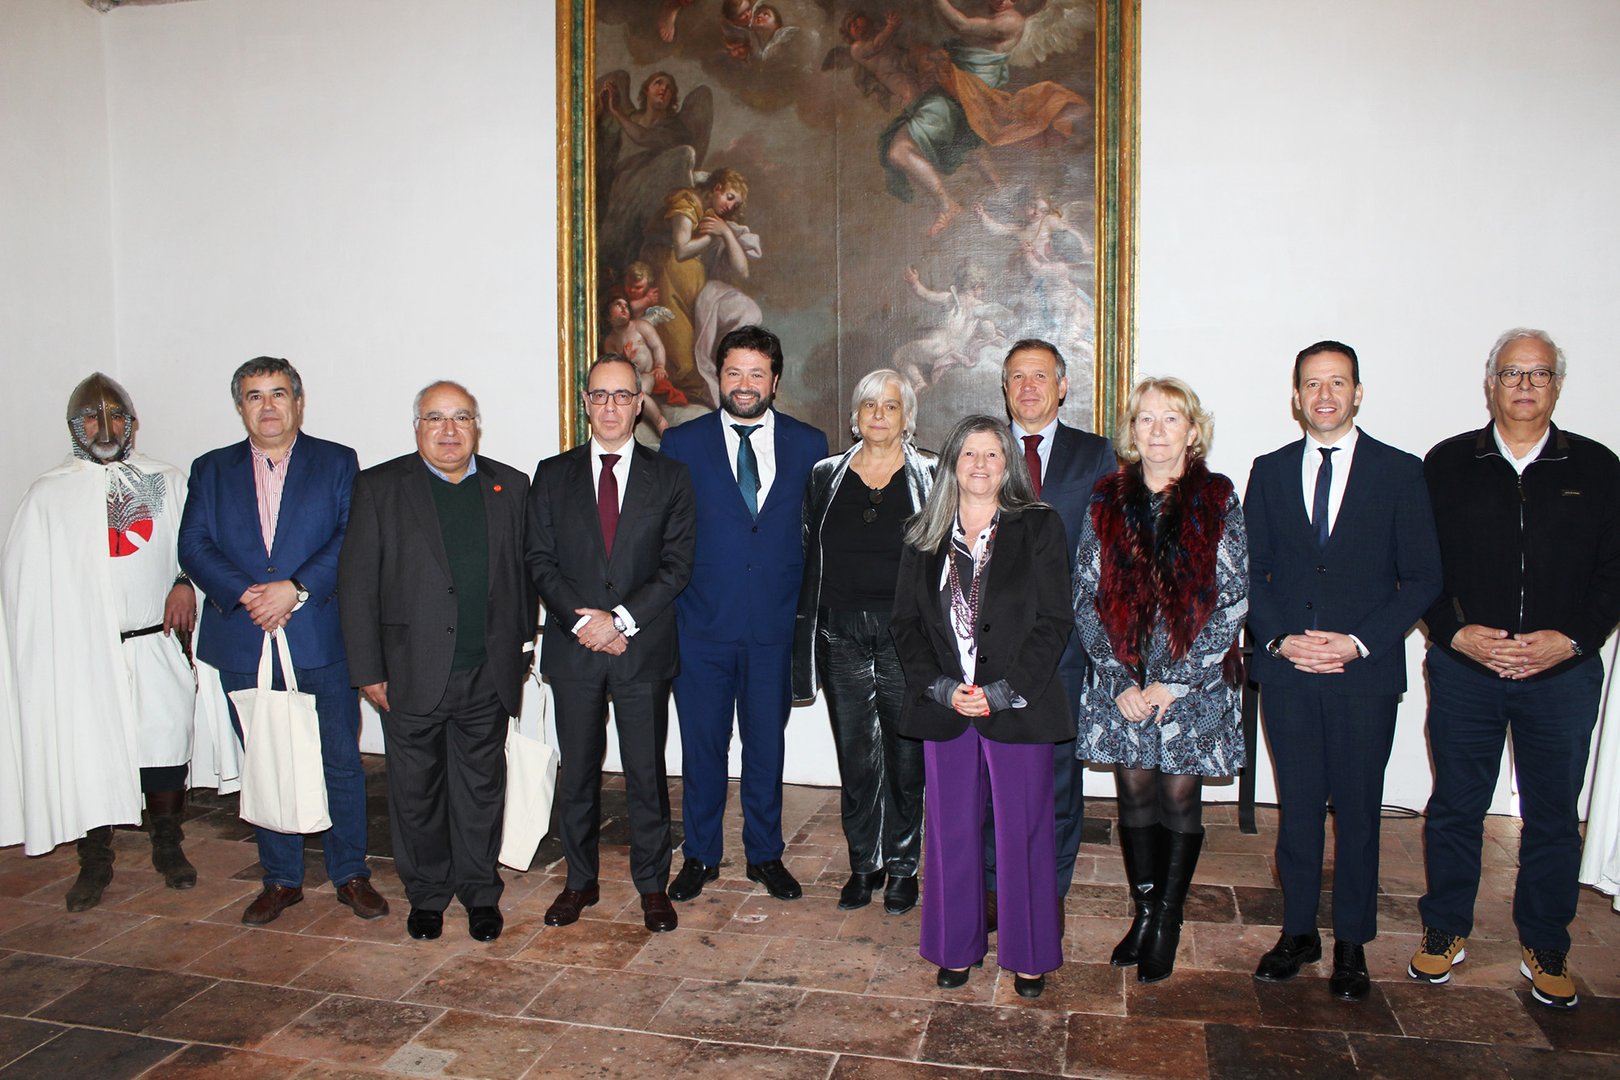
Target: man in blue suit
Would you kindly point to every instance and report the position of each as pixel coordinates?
(1343, 559)
(749, 464)
(263, 569)
(1065, 464)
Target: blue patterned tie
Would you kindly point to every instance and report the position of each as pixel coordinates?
(747, 467)
(1319, 505)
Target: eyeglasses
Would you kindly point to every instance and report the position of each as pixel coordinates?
(875, 497)
(619, 397)
(460, 419)
(1539, 377)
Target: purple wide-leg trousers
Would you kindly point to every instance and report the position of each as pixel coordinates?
(1017, 779)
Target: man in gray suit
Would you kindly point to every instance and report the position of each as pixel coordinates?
(612, 528)
(437, 618)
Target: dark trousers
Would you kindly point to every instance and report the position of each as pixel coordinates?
(337, 705)
(719, 679)
(447, 794)
(881, 772)
(1327, 747)
(1068, 797)
(1469, 717)
(965, 774)
(641, 714)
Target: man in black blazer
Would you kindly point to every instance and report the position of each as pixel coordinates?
(1064, 464)
(438, 618)
(611, 532)
(1343, 559)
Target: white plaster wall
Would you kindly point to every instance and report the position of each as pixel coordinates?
(56, 295)
(1412, 178)
(367, 188)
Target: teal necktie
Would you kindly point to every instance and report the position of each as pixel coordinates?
(747, 467)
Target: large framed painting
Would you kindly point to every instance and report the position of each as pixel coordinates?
(912, 184)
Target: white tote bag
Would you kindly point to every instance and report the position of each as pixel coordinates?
(531, 783)
(283, 777)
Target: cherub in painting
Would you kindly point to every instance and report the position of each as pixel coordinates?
(637, 341)
(969, 330)
(884, 68)
(969, 107)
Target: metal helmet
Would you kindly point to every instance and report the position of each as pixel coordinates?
(100, 399)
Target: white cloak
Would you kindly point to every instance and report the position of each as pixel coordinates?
(89, 710)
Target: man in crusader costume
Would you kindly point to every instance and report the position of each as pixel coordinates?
(98, 616)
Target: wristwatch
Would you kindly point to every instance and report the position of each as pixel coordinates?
(1274, 646)
(618, 624)
(303, 593)
(1575, 648)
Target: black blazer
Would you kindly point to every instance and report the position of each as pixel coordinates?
(396, 597)
(651, 562)
(1078, 460)
(1025, 620)
(1377, 575)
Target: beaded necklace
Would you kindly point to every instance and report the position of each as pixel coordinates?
(965, 608)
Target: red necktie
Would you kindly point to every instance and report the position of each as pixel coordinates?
(1032, 458)
(607, 500)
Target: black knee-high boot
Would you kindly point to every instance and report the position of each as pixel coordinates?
(95, 869)
(164, 809)
(1139, 846)
(1179, 857)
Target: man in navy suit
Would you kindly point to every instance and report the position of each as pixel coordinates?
(1343, 559)
(1065, 463)
(749, 464)
(263, 569)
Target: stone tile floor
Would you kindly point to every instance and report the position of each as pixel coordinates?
(155, 983)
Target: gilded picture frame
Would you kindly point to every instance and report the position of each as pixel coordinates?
(587, 46)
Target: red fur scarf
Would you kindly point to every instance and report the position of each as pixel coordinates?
(1170, 570)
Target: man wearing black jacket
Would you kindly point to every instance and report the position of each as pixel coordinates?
(1529, 523)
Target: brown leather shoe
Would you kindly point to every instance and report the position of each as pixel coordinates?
(657, 912)
(359, 896)
(564, 911)
(270, 903)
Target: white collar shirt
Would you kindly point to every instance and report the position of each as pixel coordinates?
(1311, 464)
(764, 443)
(1520, 464)
(1043, 448)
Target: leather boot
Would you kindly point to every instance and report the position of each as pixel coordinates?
(1139, 845)
(164, 809)
(95, 869)
(1179, 857)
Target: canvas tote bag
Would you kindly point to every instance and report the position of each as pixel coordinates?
(531, 783)
(283, 777)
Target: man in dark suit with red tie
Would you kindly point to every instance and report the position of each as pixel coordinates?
(435, 544)
(611, 531)
(1065, 464)
(1343, 559)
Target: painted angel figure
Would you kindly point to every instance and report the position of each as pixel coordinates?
(970, 108)
(969, 332)
(1068, 317)
(883, 67)
(636, 339)
(638, 148)
(700, 252)
(1041, 223)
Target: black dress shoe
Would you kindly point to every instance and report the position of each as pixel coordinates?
(424, 925)
(1291, 952)
(1349, 981)
(947, 979)
(857, 891)
(776, 879)
(690, 881)
(901, 895)
(484, 923)
(657, 913)
(1029, 988)
(565, 910)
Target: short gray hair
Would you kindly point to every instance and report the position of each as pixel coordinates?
(1519, 333)
(416, 404)
(871, 388)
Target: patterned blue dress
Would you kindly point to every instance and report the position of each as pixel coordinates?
(1200, 734)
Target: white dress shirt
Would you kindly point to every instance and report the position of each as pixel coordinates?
(1519, 464)
(1344, 454)
(621, 473)
(1043, 449)
(763, 441)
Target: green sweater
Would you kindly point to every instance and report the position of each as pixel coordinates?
(466, 542)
